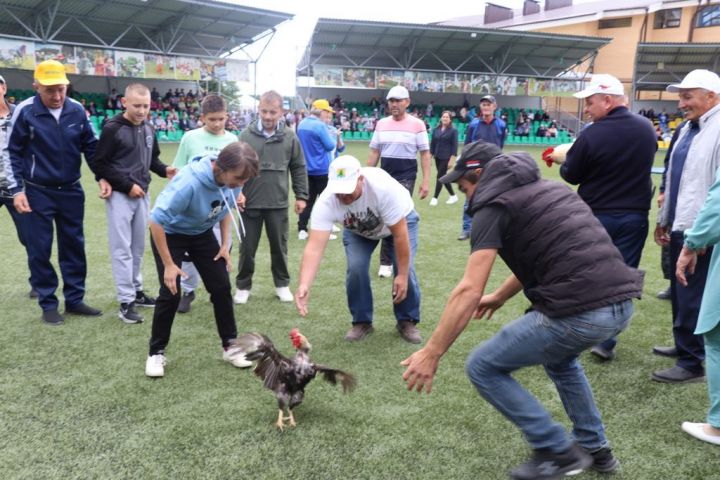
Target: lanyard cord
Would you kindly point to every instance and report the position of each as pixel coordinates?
(232, 217)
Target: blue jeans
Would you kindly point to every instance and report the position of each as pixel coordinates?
(467, 219)
(628, 232)
(358, 251)
(554, 343)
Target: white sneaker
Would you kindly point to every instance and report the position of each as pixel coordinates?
(451, 200)
(333, 236)
(335, 229)
(385, 271)
(302, 235)
(236, 357)
(433, 202)
(284, 294)
(155, 365)
(241, 297)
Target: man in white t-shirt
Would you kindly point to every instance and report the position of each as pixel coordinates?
(372, 206)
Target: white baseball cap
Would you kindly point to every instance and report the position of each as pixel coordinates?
(602, 83)
(398, 92)
(698, 79)
(343, 174)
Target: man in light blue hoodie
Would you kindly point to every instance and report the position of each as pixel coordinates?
(182, 220)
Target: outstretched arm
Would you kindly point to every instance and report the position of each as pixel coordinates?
(464, 299)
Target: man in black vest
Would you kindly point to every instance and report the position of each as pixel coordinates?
(580, 290)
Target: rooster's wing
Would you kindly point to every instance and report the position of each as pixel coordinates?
(333, 375)
(270, 363)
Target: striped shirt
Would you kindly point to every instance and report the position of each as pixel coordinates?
(399, 143)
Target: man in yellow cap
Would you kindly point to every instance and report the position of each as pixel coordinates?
(49, 132)
(318, 144)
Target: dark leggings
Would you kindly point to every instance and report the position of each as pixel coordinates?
(442, 166)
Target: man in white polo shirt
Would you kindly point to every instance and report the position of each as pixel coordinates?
(395, 143)
(372, 206)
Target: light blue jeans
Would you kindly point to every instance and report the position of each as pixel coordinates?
(712, 373)
(554, 343)
(358, 251)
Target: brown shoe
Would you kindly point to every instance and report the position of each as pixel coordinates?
(409, 331)
(359, 331)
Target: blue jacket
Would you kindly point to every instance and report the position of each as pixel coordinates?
(494, 132)
(45, 151)
(192, 202)
(317, 145)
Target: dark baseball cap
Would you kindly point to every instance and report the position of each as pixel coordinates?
(474, 155)
(488, 98)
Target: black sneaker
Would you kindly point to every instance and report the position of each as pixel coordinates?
(185, 301)
(142, 300)
(83, 309)
(604, 461)
(545, 465)
(128, 314)
(52, 317)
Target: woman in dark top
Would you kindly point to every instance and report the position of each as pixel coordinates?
(443, 147)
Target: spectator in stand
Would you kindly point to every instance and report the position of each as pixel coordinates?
(281, 156)
(160, 124)
(318, 145)
(552, 130)
(663, 120)
(522, 127)
(193, 122)
(45, 183)
(443, 147)
(337, 103)
(488, 128)
(20, 221)
(354, 120)
(395, 144)
(154, 95)
(196, 144)
(430, 109)
(126, 164)
(542, 131)
(183, 123)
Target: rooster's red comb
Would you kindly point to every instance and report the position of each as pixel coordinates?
(296, 337)
(546, 156)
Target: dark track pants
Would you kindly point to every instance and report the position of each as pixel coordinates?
(276, 226)
(63, 208)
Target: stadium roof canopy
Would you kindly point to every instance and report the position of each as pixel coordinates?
(365, 44)
(659, 64)
(205, 28)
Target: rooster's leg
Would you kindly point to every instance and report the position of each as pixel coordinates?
(279, 424)
(291, 418)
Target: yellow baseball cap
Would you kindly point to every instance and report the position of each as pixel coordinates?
(51, 72)
(322, 104)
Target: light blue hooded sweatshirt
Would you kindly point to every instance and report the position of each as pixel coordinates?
(192, 202)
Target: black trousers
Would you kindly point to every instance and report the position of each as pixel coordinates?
(201, 249)
(386, 246)
(316, 185)
(442, 166)
(686, 308)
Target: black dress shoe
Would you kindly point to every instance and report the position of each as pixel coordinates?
(665, 351)
(52, 317)
(83, 309)
(664, 294)
(678, 375)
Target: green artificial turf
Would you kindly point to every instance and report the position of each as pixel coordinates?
(75, 403)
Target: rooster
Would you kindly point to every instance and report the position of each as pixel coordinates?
(287, 377)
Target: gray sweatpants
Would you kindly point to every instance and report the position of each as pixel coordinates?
(127, 223)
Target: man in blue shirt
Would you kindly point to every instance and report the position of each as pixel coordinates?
(318, 144)
(489, 128)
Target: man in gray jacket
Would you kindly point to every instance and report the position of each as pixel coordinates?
(691, 170)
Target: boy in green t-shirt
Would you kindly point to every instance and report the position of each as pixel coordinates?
(195, 144)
